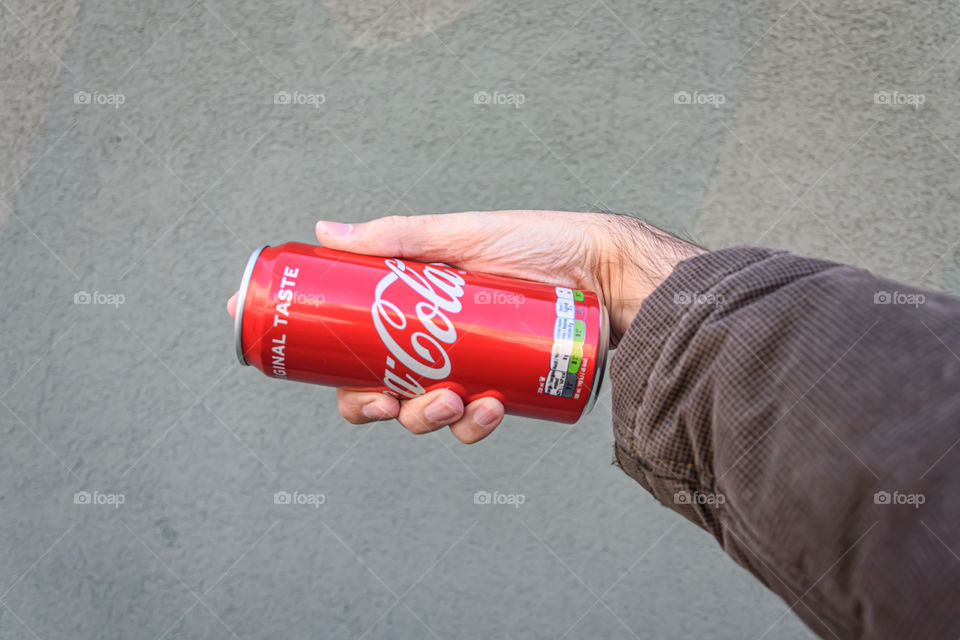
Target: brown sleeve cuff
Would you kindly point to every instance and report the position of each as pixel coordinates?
(692, 292)
(662, 459)
(778, 402)
(663, 397)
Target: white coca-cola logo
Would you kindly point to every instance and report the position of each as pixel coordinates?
(425, 354)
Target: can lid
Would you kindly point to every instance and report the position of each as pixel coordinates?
(600, 365)
(241, 300)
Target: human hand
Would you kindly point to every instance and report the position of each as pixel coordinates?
(619, 258)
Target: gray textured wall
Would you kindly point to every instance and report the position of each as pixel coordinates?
(161, 199)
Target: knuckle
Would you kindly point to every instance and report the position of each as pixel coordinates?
(412, 420)
(393, 222)
(345, 411)
(349, 408)
(353, 416)
(396, 229)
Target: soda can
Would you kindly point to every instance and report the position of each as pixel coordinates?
(404, 328)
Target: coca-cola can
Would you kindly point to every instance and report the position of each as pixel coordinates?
(404, 328)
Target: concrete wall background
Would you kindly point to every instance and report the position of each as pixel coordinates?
(161, 199)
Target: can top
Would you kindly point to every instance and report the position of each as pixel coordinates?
(241, 300)
(603, 342)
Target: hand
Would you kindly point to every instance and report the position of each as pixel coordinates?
(619, 258)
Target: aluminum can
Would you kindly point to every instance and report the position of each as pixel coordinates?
(317, 315)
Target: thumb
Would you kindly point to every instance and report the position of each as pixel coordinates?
(428, 238)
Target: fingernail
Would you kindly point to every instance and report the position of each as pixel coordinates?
(441, 411)
(485, 416)
(334, 228)
(374, 410)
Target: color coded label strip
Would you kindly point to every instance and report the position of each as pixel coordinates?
(569, 332)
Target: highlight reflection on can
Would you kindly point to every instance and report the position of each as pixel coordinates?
(402, 327)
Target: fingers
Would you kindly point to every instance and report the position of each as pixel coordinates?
(360, 407)
(425, 414)
(479, 420)
(443, 407)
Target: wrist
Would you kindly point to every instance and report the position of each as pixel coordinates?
(635, 259)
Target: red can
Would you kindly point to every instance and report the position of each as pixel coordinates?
(402, 327)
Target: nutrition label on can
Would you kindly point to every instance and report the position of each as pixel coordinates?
(566, 356)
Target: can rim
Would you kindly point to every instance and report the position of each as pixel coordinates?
(602, 347)
(241, 300)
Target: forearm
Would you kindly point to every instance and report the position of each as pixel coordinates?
(767, 398)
